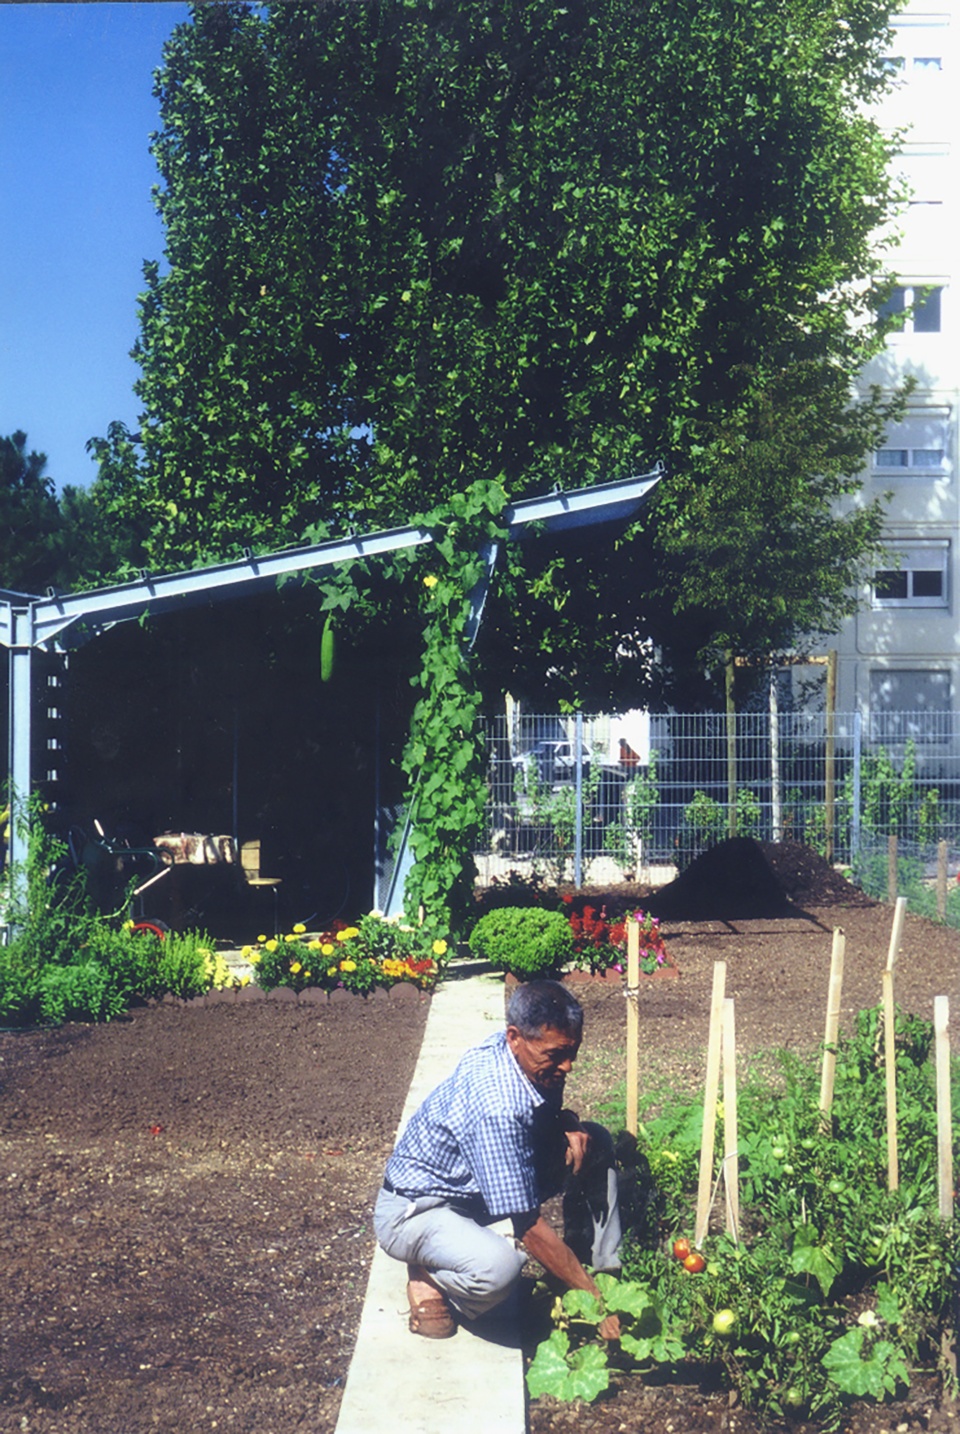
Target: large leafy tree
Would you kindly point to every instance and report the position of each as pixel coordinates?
(416, 246)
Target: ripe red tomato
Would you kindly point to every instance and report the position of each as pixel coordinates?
(681, 1248)
(694, 1262)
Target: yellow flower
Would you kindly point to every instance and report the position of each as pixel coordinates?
(331, 970)
(246, 952)
(295, 967)
(299, 929)
(314, 945)
(290, 937)
(272, 944)
(327, 948)
(307, 975)
(348, 965)
(439, 948)
(431, 580)
(255, 957)
(261, 939)
(348, 933)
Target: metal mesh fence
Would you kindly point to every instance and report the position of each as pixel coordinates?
(611, 797)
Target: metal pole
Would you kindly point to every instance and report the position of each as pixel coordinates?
(830, 775)
(731, 747)
(578, 816)
(21, 670)
(777, 813)
(857, 761)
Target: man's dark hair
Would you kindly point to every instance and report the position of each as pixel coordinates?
(536, 1006)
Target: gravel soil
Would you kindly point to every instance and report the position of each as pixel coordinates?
(186, 1193)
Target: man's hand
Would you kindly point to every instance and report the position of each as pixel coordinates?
(544, 1244)
(577, 1142)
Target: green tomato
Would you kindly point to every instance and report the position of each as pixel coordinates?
(724, 1322)
(778, 1152)
(836, 1187)
(809, 1143)
(792, 1336)
(793, 1398)
(788, 1169)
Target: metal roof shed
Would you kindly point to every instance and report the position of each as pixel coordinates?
(61, 621)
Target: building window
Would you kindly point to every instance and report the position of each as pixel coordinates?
(915, 307)
(917, 446)
(910, 704)
(919, 581)
(911, 460)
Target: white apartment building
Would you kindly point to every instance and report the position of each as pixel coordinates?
(901, 653)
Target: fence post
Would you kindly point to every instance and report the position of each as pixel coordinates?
(578, 814)
(857, 760)
(731, 747)
(775, 794)
(830, 755)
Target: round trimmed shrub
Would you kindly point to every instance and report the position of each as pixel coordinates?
(526, 941)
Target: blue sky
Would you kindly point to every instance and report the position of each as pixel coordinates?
(76, 216)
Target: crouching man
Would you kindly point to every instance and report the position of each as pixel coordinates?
(493, 1141)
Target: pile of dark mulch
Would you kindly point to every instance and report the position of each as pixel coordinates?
(742, 879)
(738, 879)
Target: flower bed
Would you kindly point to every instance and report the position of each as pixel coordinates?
(374, 954)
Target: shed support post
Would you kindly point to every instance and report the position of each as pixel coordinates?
(18, 764)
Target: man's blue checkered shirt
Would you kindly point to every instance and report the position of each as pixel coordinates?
(475, 1138)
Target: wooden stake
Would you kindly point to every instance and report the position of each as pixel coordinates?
(941, 880)
(832, 1028)
(731, 1166)
(890, 1059)
(891, 869)
(633, 1024)
(704, 1187)
(896, 932)
(941, 1023)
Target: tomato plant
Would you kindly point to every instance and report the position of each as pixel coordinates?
(771, 1314)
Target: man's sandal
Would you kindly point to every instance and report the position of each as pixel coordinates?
(433, 1318)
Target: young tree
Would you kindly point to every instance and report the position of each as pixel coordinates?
(29, 518)
(416, 246)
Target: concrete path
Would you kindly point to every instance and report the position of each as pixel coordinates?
(399, 1384)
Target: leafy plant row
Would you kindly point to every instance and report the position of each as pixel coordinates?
(838, 1289)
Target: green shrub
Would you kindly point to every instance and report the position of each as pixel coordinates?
(83, 992)
(525, 941)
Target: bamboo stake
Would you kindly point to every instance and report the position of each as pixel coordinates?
(896, 932)
(890, 1059)
(941, 1022)
(633, 1025)
(714, 1041)
(731, 1167)
(832, 1028)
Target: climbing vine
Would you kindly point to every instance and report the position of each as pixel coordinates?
(443, 760)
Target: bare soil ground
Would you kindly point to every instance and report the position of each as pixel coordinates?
(186, 1194)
